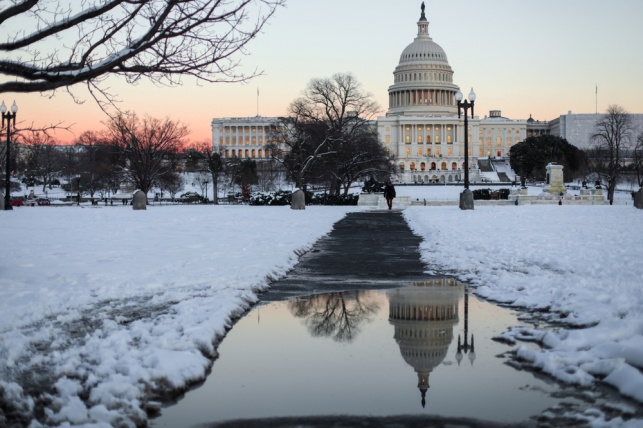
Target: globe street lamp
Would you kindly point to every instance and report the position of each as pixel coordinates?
(466, 197)
(10, 118)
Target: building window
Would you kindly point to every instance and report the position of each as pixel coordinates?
(488, 141)
(220, 141)
(419, 127)
(437, 138)
(419, 152)
(423, 166)
(260, 153)
(401, 167)
(498, 141)
(412, 166)
(449, 139)
(480, 142)
(509, 142)
(408, 139)
(419, 139)
(437, 152)
(454, 166)
(428, 139)
(450, 151)
(433, 167)
(428, 152)
(480, 153)
(443, 166)
(408, 151)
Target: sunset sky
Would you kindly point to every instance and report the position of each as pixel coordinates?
(540, 58)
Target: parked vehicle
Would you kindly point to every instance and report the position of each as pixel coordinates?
(17, 201)
(43, 202)
(191, 197)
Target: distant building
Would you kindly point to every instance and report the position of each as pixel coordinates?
(577, 129)
(244, 137)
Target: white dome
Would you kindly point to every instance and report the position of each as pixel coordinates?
(423, 50)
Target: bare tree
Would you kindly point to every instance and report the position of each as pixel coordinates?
(214, 164)
(99, 162)
(51, 44)
(332, 114)
(43, 159)
(612, 137)
(148, 146)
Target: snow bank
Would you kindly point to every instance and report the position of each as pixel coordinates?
(103, 307)
(581, 264)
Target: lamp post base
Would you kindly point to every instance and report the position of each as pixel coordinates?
(466, 200)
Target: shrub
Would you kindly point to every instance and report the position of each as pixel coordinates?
(485, 194)
(283, 197)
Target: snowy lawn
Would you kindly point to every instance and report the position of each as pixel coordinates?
(104, 307)
(584, 264)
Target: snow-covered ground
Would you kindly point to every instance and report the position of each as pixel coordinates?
(108, 305)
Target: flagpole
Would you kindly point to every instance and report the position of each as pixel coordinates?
(257, 101)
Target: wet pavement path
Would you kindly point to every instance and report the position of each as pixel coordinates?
(366, 250)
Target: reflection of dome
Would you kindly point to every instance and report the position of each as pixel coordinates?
(423, 317)
(423, 78)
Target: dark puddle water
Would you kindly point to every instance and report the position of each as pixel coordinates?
(375, 353)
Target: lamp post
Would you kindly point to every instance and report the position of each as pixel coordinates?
(10, 118)
(78, 188)
(206, 190)
(466, 197)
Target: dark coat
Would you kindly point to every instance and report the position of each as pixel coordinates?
(389, 191)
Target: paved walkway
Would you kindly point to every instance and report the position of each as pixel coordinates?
(365, 250)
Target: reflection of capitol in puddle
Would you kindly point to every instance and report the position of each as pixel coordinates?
(424, 315)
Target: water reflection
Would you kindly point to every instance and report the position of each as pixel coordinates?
(365, 360)
(424, 316)
(335, 315)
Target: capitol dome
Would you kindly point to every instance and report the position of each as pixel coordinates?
(423, 78)
(422, 50)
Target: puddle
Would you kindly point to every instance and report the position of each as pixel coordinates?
(369, 353)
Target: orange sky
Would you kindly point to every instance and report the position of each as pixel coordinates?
(521, 58)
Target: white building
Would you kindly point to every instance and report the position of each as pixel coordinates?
(244, 137)
(422, 130)
(577, 129)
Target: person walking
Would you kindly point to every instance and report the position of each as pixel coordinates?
(389, 194)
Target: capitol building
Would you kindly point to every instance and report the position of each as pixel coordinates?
(421, 130)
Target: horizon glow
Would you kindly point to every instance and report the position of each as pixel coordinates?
(523, 60)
